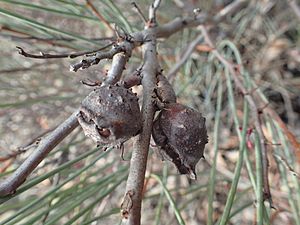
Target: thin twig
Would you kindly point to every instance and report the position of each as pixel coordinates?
(290, 136)
(178, 24)
(86, 63)
(139, 11)
(119, 63)
(91, 83)
(20, 150)
(229, 9)
(8, 159)
(163, 31)
(45, 146)
(43, 55)
(5, 165)
(189, 50)
(135, 181)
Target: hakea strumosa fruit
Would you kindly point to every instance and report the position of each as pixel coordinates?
(110, 115)
(181, 135)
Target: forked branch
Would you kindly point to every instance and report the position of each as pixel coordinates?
(119, 54)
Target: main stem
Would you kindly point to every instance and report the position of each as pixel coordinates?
(138, 163)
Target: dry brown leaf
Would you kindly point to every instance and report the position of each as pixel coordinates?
(204, 48)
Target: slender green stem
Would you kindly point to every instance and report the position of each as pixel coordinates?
(294, 201)
(121, 17)
(161, 197)
(171, 200)
(259, 182)
(34, 203)
(283, 175)
(238, 168)
(100, 197)
(50, 10)
(212, 178)
(291, 161)
(43, 26)
(247, 81)
(97, 218)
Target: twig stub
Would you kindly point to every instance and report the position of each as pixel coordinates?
(127, 204)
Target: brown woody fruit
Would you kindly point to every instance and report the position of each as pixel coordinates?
(110, 115)
(181, 134)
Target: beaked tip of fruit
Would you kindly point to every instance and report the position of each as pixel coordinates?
(192, 175)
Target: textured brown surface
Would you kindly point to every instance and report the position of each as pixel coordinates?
(110, 115)
(181, 133)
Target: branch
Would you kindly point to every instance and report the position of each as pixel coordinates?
(119, 63)
(178, 24)
(138, 162)
(131, 80)
(135, 181)
(185, 56)
(43, 55)
(166, 30)
(45, 146)
(85, 63)
(228, 10)
(22, 149)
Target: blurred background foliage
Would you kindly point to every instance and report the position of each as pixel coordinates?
(79, 184)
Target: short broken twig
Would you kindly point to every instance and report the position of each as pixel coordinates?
(152, 13)
(86, 63)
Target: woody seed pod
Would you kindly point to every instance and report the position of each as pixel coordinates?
(110, 115)
(181, 134)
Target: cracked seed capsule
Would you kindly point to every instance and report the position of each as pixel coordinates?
(181, 134)
(110, 115)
